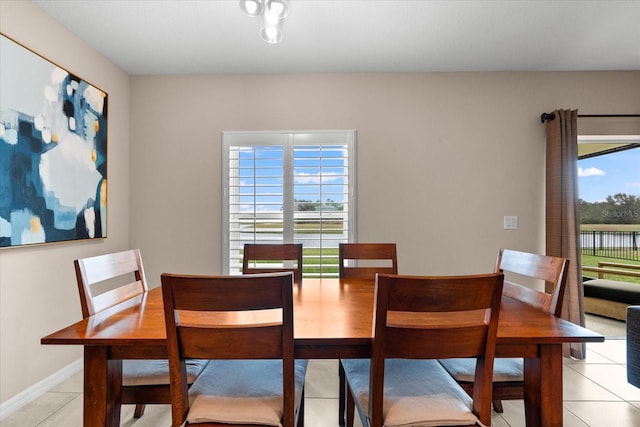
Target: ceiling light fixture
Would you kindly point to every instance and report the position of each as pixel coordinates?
(271, 12)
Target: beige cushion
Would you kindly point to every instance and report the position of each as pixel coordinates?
(242, 392)
(154, 372)
(504, 369)
(418, 393)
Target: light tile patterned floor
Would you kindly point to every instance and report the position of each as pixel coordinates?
(596, 393)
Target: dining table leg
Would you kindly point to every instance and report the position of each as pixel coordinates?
(543, 387)
(102, 388)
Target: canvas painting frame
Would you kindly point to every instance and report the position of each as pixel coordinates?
(53, 151)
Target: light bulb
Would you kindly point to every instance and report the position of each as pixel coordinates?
(277, 8)
(252, 7)
(271, 34)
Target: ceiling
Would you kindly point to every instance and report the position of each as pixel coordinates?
(213, 37)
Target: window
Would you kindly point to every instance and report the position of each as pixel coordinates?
(289, 187)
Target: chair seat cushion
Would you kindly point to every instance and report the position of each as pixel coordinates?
(242, 392)
(156, 372)
(418, 393)
(504, 369)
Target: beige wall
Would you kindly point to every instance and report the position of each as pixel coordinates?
(441, 157)
(38, 294)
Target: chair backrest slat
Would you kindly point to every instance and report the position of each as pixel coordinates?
(110, 298)
(356, 259)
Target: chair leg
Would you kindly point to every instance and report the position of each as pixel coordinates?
(497, 406)
(341, 395)
(300, 422)
(350, 408)
(139, 411)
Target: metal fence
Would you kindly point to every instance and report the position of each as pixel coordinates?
(611, 244)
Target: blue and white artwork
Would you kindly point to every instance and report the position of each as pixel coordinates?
(53, 151)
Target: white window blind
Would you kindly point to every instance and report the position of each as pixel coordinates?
(289, 187)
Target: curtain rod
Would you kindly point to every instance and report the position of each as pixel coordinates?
(608, 115)
(551, 116)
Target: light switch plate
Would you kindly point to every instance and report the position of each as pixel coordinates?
(510, 222)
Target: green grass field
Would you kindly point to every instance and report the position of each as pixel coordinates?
(317, 261)
(593, 261)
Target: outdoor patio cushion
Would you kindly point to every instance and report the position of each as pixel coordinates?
(613, 290)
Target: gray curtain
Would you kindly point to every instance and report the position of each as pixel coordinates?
(562, 215)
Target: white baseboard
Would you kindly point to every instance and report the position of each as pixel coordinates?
(27, 396)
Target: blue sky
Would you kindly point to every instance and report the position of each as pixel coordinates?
(606, 175)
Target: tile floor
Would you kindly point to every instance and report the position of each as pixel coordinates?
(596, 394)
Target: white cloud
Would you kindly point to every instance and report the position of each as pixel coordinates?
(633, 184)
(590, 172)
(306, 178)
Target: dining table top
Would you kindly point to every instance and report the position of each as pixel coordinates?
(327, 312)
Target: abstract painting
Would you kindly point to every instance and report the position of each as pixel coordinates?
(53, 151)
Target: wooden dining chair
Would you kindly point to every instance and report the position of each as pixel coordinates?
(107, 280)
(244, 324)
(508, 379)
(417, 320)
(269, 258)
(364, 260)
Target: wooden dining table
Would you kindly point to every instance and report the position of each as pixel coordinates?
(332, 320)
